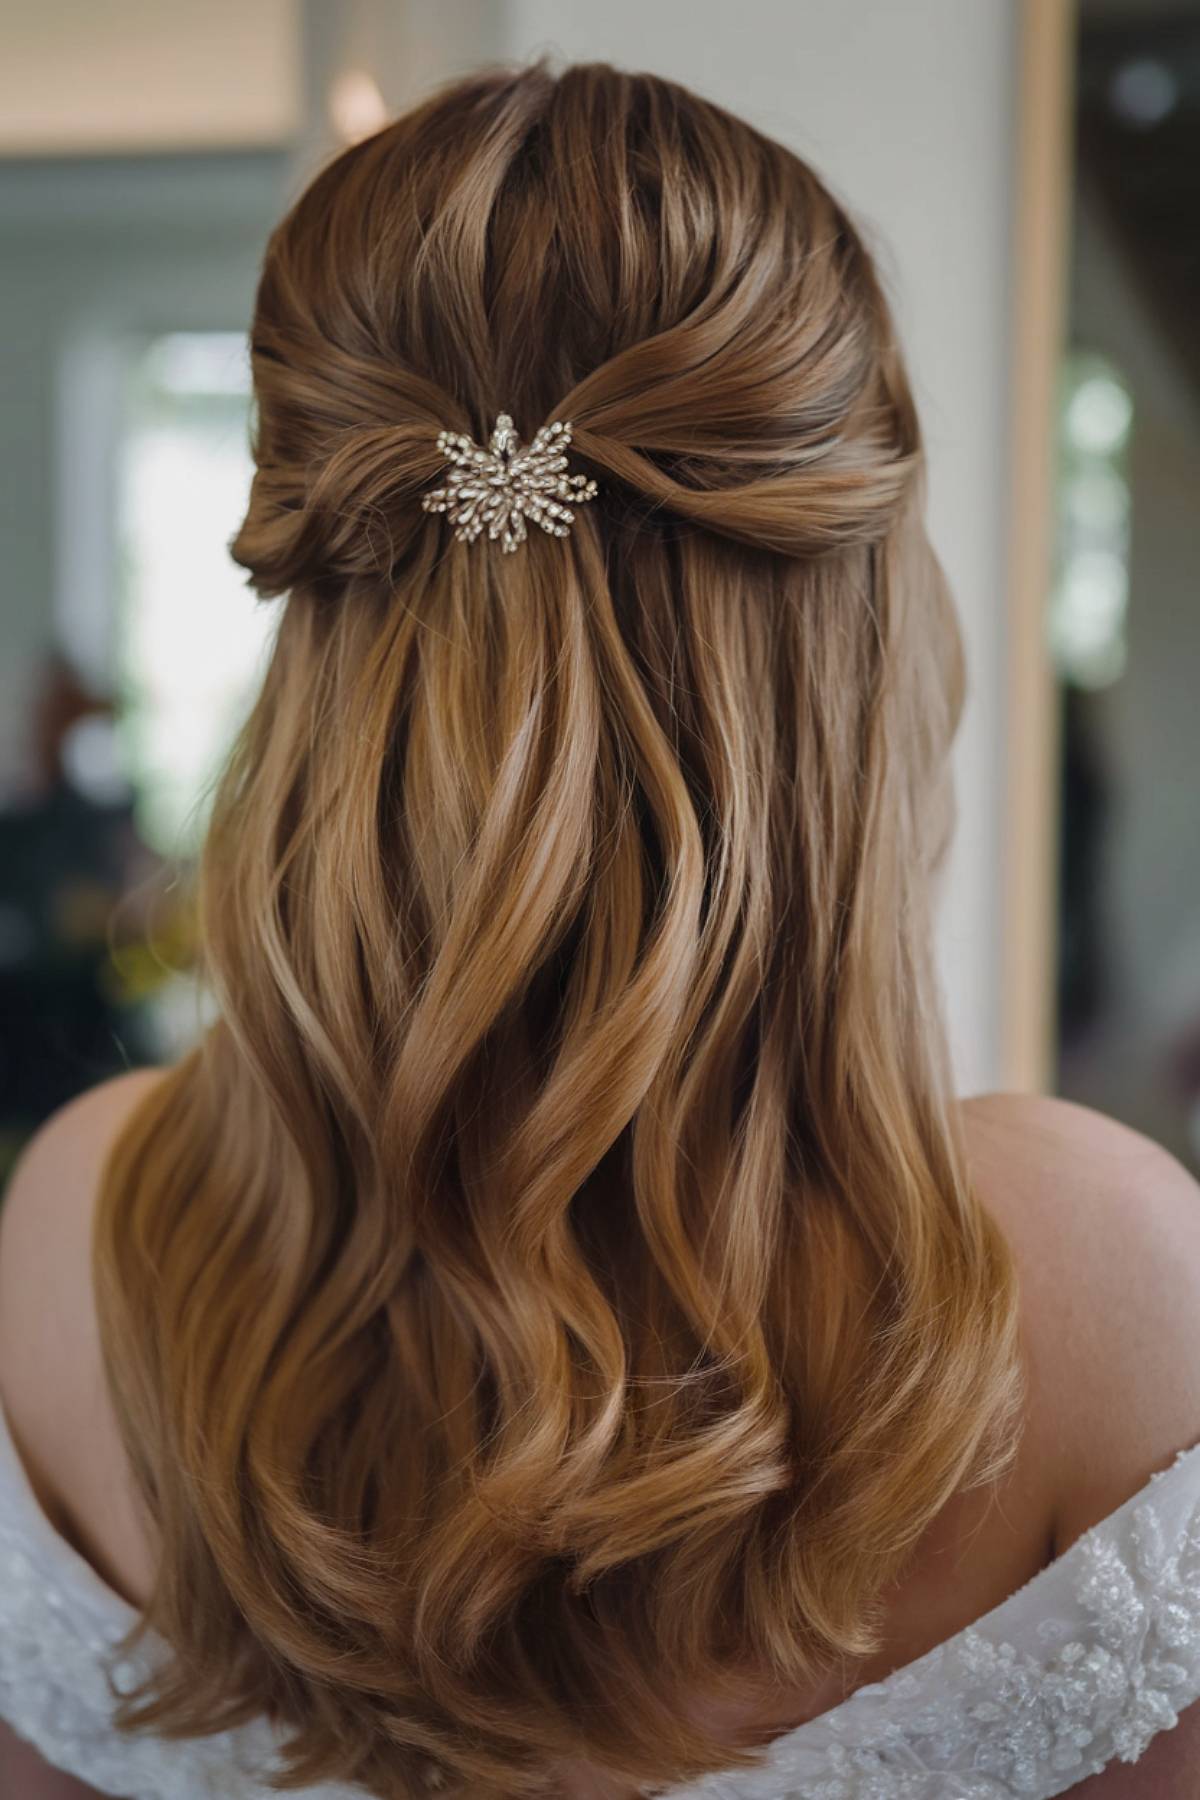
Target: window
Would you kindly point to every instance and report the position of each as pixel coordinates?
(1088, 610)
(190, 638)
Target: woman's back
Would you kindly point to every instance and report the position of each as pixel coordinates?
(1107, 1234)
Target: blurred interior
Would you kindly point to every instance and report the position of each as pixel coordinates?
(144, 155)
(1124, 616)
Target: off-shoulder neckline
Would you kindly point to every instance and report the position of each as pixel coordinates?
(994, 1624)
(42, 1532)
(121, 1616)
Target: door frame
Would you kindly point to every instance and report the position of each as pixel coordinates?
(1041, 223)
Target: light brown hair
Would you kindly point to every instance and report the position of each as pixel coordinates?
(552, 1291)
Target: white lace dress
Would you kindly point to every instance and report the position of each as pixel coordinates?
(1080, 1667)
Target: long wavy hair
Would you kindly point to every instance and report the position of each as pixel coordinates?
(552, 1291)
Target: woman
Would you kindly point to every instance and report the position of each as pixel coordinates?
(557, 1335)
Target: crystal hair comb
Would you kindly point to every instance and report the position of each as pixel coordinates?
(498, 488)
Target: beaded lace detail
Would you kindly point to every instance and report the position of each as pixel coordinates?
(1081, 1667)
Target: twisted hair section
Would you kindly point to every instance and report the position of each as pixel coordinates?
(551, 1294)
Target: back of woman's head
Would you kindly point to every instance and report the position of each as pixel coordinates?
(551, 1293)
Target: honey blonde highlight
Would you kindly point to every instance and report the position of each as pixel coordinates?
(552, 1290)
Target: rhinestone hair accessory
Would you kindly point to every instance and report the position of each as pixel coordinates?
(496, 489)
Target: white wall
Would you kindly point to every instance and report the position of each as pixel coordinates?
(906, 107)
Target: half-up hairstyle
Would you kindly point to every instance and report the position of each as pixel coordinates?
(552, 1292)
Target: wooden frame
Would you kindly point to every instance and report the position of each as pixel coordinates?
(1040, 232)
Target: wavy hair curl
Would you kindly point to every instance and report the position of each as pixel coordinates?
(552, 1291)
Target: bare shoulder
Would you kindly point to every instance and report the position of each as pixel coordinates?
(51, 1376)
(1105, 1228)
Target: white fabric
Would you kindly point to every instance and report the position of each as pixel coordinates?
(1081, 1666)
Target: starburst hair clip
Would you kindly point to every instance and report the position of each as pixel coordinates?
(496, 489)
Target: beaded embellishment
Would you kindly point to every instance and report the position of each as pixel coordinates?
(495, 489)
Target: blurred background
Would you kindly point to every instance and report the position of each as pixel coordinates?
(1029, 174)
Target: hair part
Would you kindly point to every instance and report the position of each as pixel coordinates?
(552, 1292)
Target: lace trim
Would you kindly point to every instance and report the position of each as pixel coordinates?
(1027, 1701)
(1021, 1703)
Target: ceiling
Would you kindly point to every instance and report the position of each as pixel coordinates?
(1144, 12)
(81, 78)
